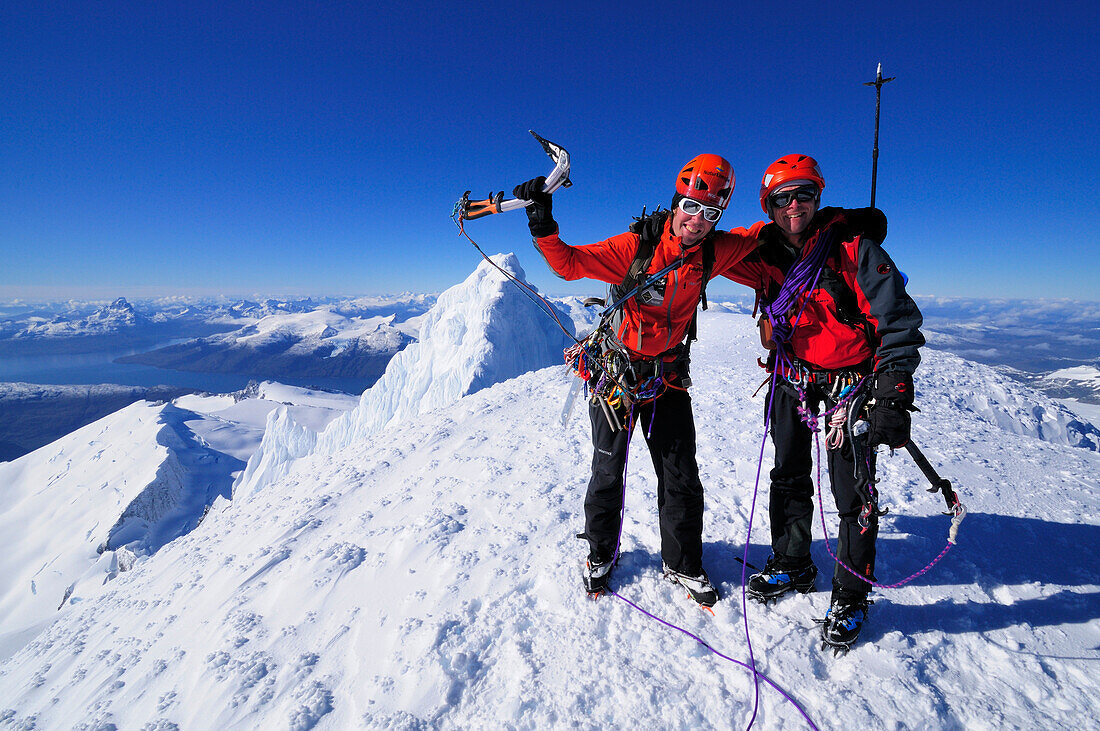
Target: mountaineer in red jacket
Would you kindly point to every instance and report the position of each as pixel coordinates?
(648, 338)
(837, 306)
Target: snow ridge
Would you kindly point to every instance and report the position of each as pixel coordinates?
(87, 505)
(186, 483)
(478, 333)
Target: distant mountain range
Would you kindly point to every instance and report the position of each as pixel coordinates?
(350, 338)
(316, 343)
(84, 327)
(73, 330)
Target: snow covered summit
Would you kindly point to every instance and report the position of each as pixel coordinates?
(479, 333)
(119, 316)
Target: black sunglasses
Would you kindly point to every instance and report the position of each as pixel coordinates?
(802, 195)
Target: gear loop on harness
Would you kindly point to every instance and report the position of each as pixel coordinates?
(615, 380)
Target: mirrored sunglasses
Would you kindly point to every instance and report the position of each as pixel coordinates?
(693, 208)
(802, 195)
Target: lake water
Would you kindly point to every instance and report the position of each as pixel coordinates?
(88, 368)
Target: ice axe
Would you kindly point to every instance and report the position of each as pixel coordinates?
(558, 178)
(938, 484)
(955, 508)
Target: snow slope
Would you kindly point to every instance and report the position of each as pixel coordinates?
(35, 415)
(1001, 400)
(429, 577)
(85, 506)
(98, 500)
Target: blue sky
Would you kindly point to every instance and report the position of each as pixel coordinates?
(318, 148)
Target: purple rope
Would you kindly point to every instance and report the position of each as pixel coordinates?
(806, 271)
(807, 268)
(745, 553)
(751, 666)
(756, 674)
(810, 419)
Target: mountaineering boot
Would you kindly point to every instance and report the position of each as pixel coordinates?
(842, 623)
(595, 575)
(777, 579)
(699, 587)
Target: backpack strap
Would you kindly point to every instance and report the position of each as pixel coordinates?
(642, 258)
(636, 274)
(708, 267)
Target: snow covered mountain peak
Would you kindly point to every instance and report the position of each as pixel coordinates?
(119, 316)
(478, 333)
(120, 305)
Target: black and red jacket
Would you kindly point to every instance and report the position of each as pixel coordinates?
(649, 331)
(858, 316)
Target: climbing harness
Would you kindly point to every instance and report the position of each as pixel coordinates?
(614, 381)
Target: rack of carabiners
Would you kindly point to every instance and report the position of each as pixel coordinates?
(611, 380)
(846, 419)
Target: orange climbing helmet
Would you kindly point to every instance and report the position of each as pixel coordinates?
(790, 170)
(708, 179)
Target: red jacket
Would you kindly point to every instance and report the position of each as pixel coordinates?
(859, 311)
(650, 330)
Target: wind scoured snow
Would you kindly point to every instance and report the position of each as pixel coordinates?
(998, 399)
(116, 489)
(478, 333)
(236, 425)
(429, 578)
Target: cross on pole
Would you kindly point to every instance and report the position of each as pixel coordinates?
(877, 83)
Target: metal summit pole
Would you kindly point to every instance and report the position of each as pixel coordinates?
(877, 83)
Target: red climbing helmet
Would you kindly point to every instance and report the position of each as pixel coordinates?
(789, 170)
(708, 179)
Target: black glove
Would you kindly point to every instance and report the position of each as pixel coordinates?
(869, 222)
(650, 227)
(889, 415)
(539, 217)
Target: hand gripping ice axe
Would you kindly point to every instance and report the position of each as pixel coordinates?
(466, 209)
